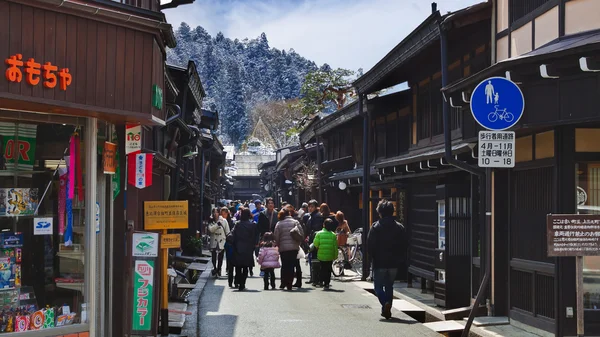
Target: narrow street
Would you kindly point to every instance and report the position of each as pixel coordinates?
(345, 310)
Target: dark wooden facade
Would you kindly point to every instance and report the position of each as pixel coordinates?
(113, 66)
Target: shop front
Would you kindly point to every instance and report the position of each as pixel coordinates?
(70, 84)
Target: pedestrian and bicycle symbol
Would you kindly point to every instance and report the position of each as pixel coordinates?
(497, 103)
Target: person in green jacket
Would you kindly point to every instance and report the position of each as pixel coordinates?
(327, 250)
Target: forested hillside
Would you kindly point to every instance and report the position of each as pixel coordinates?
(238, 75)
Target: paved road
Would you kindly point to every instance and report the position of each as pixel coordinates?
(307, 312)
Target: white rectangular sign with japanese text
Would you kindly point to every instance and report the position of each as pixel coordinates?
(496, 149)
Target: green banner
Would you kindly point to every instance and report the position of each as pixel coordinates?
(116, 178)
(18, 141)
(143, 284)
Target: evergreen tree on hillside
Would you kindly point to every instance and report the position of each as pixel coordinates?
(260, 73)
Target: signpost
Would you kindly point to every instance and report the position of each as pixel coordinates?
(170, 241)
(497, 103)
(164, 215)
(496, 149)
(575, 235)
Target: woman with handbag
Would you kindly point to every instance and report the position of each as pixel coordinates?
(218, 229)
(288, 237)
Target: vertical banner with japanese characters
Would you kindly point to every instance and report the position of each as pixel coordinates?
(143, 293)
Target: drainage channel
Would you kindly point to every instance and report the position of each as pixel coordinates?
(422, 317)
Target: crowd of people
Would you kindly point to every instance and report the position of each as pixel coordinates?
(280, 239)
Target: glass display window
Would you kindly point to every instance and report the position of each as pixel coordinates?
(42, 222)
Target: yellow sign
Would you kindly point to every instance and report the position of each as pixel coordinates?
(170, 241)
(165, 215)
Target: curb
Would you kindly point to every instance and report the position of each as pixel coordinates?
(195, 295)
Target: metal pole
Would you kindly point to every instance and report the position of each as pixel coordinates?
(366, 182)
(319, 159)
(202, 183)
(91, 168)
(164, 294)
(579, 292)
(485, 188)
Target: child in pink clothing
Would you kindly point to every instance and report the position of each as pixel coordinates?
(268, 258)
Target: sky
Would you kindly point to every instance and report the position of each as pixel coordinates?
(349, 34)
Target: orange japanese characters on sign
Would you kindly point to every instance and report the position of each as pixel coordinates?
(34, 75)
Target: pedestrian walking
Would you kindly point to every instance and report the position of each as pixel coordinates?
(268, 258)
(218, 229)
(288, 236)
(230, 261)
(386, 245)
(245, 239)
(342, 231)
(314, 223)
(327, 250)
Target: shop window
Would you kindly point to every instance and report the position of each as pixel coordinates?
(42, 226)
(544, 145)
(586, 140)
(588, 202)
(524, 149)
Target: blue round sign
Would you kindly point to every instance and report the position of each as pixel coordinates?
(497, 103)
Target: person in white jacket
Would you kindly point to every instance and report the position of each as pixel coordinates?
(218, 229)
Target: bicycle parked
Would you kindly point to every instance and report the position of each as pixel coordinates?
(350, 255)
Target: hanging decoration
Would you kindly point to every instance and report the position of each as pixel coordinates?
(62, 200)
(71, 165)
(78, 170)
(69, 229)
(140, 170)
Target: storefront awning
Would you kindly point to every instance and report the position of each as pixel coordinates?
(436, 153)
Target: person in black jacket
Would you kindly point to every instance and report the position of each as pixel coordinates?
(387, 247)
(245, 239)
(312, 220)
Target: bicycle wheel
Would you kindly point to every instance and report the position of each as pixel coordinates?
(508, 117)
(493, 116)
(357, 262)
(338, 264)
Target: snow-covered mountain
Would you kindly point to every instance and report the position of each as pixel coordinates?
(239, 74)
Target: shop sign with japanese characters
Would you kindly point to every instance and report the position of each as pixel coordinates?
(170, 241)
(143, 284)
(35, 73)
(573, 234)
(496, 149)
(165, 215)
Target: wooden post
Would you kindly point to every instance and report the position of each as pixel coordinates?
(579, 292)
(164, 292)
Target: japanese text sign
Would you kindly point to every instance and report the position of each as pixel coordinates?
(109, 158)
(145, 245)
(133, 138)
(143, 284)
(170, 241)
(165, 215)
(35, 72)
(573, 234)
(496, 149)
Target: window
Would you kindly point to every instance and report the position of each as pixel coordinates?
(588, 202)
(441, 224)
(42, 235)
(424, 113)
(520, 8)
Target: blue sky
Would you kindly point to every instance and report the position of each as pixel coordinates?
(344, 33)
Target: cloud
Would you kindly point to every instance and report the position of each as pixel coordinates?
(343, 33)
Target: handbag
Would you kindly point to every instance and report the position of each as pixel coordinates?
(301, 254)
(295, 233)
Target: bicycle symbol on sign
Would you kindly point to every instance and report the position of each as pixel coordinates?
(502, 114)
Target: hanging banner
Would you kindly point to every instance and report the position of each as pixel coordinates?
(62, 199)
(109, 158)
(143, 293)
(133, 138)
(140, 170)
(22, 148)
(116, 178)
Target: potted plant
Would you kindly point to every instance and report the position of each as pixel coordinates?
(193, 246)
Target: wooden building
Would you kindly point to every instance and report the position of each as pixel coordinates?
(551, 49)
(83, 70)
